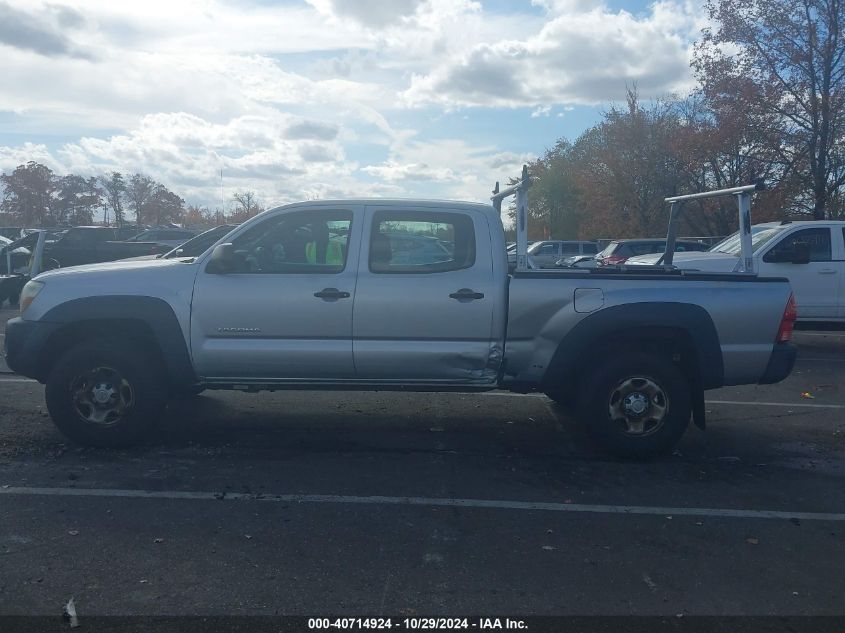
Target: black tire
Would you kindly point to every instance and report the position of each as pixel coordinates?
(617, 388)
(127, 375)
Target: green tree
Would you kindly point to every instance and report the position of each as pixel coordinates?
(115, 189)
(28, 194)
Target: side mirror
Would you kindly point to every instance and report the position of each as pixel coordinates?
(222, 260)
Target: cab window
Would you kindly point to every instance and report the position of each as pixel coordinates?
(818, 240)
(411, 242)
(306, 242)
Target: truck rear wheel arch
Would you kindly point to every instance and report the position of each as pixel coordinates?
(684, 332)
(144, 321)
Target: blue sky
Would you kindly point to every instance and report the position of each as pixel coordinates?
(323, 98)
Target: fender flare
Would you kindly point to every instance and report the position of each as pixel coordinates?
(156, 314)
(594, 330)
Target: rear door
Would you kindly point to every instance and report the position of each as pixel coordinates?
(287, 311)
(425, 298)
(816, 284)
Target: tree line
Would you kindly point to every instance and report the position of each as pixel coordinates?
(34, 196)
(770, 105)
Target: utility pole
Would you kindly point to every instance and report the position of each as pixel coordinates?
(222, 198)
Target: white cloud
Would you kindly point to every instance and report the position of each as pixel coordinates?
(375, 13)
(577, 57)
(283, 96)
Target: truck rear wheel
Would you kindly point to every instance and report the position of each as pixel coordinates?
(105, 393)
(637, 405)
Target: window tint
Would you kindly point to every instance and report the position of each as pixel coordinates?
(307, 242)
(817, 239)
(570, 248)
(644, 248)
(421, 242)
(590, 249)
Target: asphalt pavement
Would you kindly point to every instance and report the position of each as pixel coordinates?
(439, 504)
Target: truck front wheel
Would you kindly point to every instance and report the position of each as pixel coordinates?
(105, 393)
(637, 405)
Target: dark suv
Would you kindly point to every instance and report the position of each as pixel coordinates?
(618, 251)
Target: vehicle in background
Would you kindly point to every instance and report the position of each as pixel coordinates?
(511, 251)
(810, 254)
(94, 244)
(194, 247)
(19, 256)
(577, 261)
(546, 253)
(165, 237)
(11, 232)
(618, 251)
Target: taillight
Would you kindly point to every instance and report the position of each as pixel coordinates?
(787, 322)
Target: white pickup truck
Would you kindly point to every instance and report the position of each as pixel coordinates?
(811, 254)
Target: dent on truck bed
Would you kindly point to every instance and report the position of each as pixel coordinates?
(154, 313)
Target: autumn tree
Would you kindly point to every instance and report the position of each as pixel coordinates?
(787, 59)
(28, 194)
(245, 206)
(196, 215)
(625, 167)
(164, 207)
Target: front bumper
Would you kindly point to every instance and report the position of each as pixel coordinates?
(24, 345)
(780, 364)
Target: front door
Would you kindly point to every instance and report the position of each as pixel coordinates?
(425, 298)
(815, 284)
(286, 312)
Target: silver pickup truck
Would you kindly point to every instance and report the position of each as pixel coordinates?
(394, 294)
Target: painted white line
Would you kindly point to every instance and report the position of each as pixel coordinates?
(821, 360)
(422, 501)
(800, 333)
(787, 405)
(3, 379)
(512, 395)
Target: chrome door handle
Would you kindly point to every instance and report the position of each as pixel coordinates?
(331, 294)
(466, 294)
(827, 271)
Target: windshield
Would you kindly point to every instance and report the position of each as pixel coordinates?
(760, 235)
(198, 245)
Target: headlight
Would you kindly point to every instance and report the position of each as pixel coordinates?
(29, 292)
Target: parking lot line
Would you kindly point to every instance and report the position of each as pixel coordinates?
(493, 504)
(4, 379)
(788, 405)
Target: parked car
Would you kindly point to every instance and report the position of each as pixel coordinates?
(269, 307)
(165, 237)
(11, 232)
(192, 248)
(810, 254)
(19, 256)
(577, 261)
(93, 244)
(618, 251)
(511, 251)
(545, 254)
